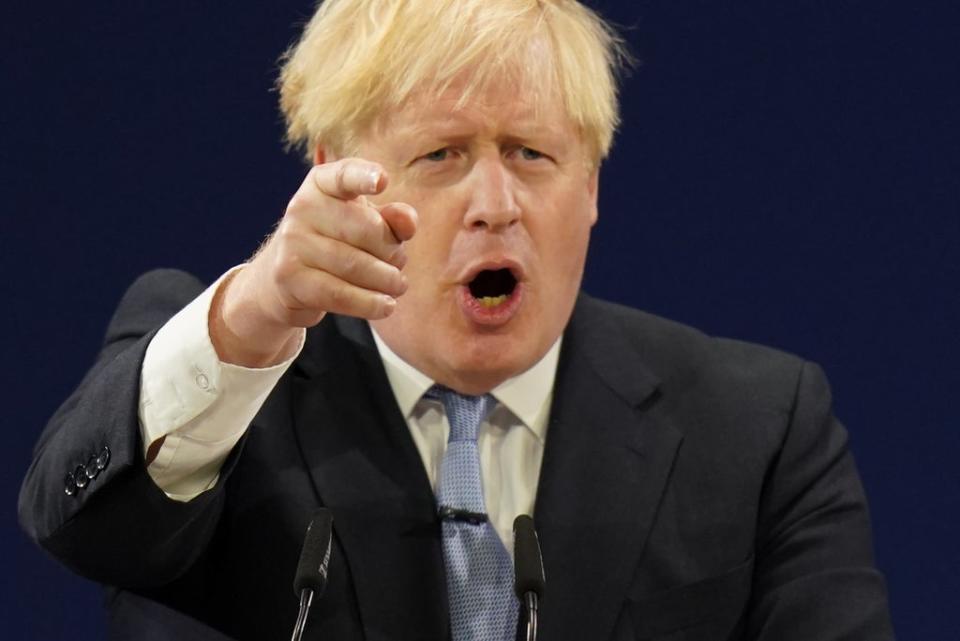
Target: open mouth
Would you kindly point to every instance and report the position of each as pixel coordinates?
(492, 287)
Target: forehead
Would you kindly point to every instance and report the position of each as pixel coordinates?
(501, 108)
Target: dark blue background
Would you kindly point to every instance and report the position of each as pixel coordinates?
(786, 173)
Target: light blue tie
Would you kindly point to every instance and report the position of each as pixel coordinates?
(478, 567)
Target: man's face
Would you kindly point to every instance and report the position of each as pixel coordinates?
(506, 198)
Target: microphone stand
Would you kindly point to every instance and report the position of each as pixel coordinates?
(306, 599)
(532, 606)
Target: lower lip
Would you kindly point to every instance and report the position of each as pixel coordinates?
(490, 316)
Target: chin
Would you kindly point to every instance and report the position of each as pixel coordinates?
(483, 361)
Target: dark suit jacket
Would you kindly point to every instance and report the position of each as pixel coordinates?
(692, 488)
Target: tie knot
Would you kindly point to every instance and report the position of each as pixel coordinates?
(464, 413)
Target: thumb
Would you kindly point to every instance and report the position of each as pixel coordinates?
(401, 218)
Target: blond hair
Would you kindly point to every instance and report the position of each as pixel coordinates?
(358, 58)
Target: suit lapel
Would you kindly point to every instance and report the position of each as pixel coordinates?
(367, 471)
(607, 460)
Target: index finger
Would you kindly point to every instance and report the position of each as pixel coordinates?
(349, 178)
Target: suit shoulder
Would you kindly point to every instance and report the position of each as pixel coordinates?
(678, 352)
(151, 300)
(160, 285)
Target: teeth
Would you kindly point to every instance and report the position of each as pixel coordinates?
(492, 301)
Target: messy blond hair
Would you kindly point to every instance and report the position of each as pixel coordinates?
(358, 58)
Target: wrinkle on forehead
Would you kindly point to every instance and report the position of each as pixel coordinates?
(501, 110)
(451, 112)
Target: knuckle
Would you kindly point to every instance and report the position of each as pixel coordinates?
(294, 203)
(350, 262)
(371, 231)
(392, 283)
(396, 254)
(340, 297)
(340, 232)
(286, 231)
(297, 296)
(286, 264)
(297, 204)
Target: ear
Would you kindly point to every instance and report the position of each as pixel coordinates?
(593, 189)
(323, 155)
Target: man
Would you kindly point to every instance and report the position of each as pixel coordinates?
(684, 487)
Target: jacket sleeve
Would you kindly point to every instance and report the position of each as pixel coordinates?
(814, 576)
(87, 498)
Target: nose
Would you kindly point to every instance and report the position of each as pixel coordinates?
(493, 204)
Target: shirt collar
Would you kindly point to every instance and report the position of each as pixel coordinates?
(526, 395)
(408, 383)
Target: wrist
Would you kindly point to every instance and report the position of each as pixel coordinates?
(239, 330)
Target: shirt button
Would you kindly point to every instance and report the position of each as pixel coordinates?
(202, 381)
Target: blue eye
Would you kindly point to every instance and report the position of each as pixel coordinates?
(530, 154)
(436, 155)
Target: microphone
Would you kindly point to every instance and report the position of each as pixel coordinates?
(529, 580)
(311, 577)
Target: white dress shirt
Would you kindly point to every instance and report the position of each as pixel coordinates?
(202, 406)
(510, 439)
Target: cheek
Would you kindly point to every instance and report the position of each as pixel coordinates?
(427, 254)
(565, 255)
(420, 261)
(565, 233)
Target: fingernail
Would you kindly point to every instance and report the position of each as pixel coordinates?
(373, 177)
(389, 304)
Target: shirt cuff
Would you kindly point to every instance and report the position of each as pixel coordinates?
(200, 405)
